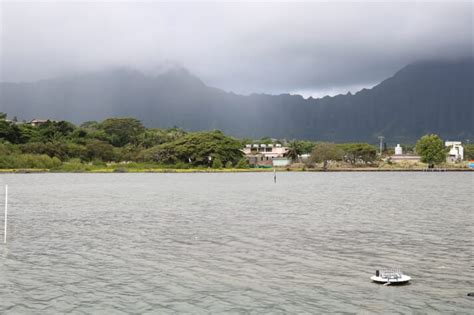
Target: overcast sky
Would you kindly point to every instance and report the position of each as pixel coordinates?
(312, 48)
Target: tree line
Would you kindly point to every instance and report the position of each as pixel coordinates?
(63, 145)
(51, 143)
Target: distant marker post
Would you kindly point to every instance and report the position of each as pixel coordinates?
(274, 176)
(6, 215)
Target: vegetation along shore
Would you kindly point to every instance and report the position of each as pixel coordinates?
(125, 145)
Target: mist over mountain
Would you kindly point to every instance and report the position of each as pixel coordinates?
(424, 97)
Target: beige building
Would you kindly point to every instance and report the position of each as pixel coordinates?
(265, 154)
(37, 122)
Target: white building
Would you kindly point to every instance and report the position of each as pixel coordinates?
(456, 151)
(399, 157)
(398, 150)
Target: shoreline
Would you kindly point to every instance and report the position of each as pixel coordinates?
(250, 170)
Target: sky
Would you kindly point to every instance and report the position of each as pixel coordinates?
(312, 48)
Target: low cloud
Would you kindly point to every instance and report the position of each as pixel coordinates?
(311, 47)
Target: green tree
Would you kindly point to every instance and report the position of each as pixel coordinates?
(196, 148)
(90, 125)
(294, 150)
(265, 140)
(229, 164)
(10, 132)
(54, 130)
(325, 152)
(99, 150)
(52, 149)
(79, 135)
(407, 148)
(122, 130)
(431, 149)
(306, 146)
(153, 137)
(359, 152)
(469, 152)
(29, 133)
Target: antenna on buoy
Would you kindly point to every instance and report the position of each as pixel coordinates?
(6, 215)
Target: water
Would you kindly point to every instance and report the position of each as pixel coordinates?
(237, 243)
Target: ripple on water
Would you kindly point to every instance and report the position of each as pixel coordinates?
(236, 243)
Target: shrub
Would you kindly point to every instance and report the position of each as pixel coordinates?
(99, 163)
(217, 163)
(29, 161)
(73, 165)
(242, 163)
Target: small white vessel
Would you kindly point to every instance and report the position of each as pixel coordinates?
(392, 276)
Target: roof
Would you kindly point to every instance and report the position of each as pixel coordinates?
(38, 120)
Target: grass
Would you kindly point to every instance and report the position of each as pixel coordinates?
(24, 170)
(77, 167)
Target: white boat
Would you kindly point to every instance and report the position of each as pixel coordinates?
(390, 277)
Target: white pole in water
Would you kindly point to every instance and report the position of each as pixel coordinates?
(274, 176)
(6, 215)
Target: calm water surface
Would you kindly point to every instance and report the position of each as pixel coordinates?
(236, 243)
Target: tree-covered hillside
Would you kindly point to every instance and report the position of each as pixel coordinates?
(422, 98)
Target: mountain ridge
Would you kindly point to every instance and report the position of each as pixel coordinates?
(423, 97)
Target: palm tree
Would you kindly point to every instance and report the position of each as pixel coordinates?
(294, 150)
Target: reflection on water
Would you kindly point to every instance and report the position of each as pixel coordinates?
(198, 243)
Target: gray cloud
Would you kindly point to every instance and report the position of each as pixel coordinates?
(306, 47)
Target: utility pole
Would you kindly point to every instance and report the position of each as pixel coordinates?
(381, 144)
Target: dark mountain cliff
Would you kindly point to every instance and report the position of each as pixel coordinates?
(425, 97)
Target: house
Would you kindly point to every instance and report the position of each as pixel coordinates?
(400, 157)
(38, 122)
(456, 151)
(266, 154)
